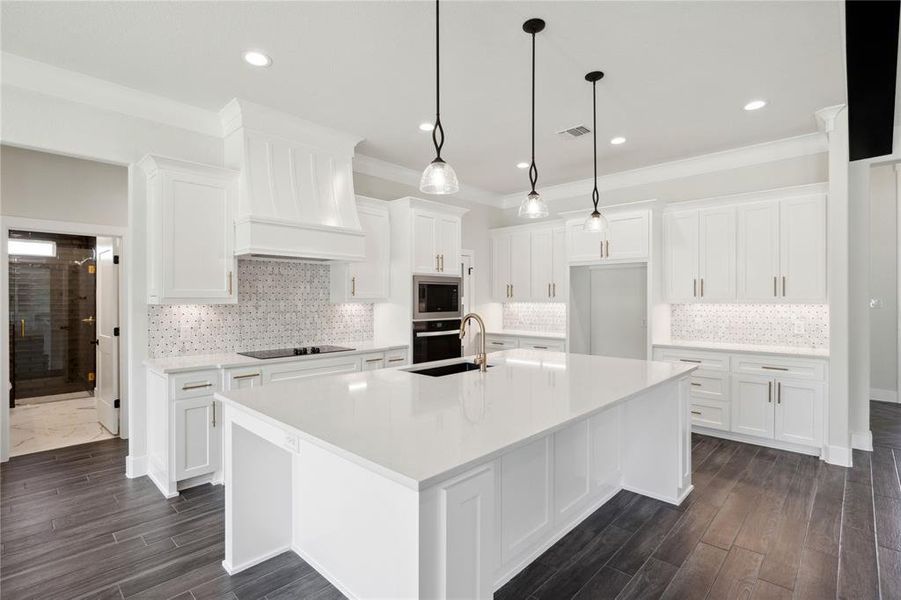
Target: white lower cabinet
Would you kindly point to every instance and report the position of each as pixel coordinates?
(184, 419)
(761, 397)
(497, 342)
(198, 437)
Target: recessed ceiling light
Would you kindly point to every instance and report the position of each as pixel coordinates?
(618, 140)
(257, 59)
(755, 104)
(522, 165)
(426, 127)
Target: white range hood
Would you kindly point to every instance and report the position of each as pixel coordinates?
(297, 194)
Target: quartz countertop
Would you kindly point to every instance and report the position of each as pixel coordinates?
(796, 351)
(419, 430)
(178, 364)
(533, 334)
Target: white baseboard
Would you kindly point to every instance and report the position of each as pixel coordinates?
(838, 455)
(324, 572)
(232, 569)
(135, 466)
(757, 441)
(883, 395)
(862, 440)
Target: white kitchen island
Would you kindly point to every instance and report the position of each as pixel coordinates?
(398, 485)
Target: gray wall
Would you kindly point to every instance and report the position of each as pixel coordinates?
(39, 185)
(883, 279)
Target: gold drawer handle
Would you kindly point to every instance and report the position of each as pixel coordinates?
(246, 376)
(196, 386)
(369, 360)
(396, 359)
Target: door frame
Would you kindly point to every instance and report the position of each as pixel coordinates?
(70, 228)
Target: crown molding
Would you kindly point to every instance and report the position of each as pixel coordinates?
(77, 87)
(802, 145)
(826, 117)
(376, 167)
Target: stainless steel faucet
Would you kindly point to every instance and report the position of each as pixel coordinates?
(482, 356)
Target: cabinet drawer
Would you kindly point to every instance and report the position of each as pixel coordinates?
(709, 385)
(370, 362)
(779, 366)
(396, 358)
(310, 368)
(543, 344)
(710, 361)
(194, 384)
(497, 342)
(242, 378)
(712, 414)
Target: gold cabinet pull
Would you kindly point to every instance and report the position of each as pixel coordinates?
(372, 360)
(783, 286)
(398, 359)
(196, 386)
(548, 290)
(353, 286)
(22, 327)
(695, 284)
(229, 283)
(607, 248)
(246, 376)
(702, 287)
(775, 293)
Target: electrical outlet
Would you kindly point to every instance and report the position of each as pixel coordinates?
(875, 302)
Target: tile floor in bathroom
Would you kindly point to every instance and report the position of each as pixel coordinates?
(45, 425)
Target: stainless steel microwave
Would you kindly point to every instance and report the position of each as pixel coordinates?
(437, 297)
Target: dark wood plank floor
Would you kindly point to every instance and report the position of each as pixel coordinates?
(760, 524)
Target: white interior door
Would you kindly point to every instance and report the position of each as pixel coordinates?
(619, 309)
(107, 392)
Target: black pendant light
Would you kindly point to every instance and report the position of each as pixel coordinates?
(596, 222)
(439, 177)
(533, 207)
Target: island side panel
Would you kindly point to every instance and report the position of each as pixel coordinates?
(656, 442)
(257, 492)
(358, 528)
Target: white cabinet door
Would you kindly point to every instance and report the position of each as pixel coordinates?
(448, 246)
(302, 369)
(584, 245)
(752, 405)
(559, 266)
(627, 237)
(197, 238)
(520, 266)
(197, 437)
(758, 251)
(425, 242)
(370, 277)
(572, 477)
(496, 343)
(680, 255)
(716, 254)
(542, 263)
(500, 267)
(803, 248)
(799, 412)
(526, 497)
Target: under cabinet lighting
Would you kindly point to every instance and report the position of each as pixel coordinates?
(257, 58)
(618, 140)
(31, 248)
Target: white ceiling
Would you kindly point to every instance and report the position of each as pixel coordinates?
(678, 73)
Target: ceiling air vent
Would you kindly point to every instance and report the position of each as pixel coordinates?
(574, 132)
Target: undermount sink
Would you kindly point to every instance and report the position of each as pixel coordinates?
(461, 367)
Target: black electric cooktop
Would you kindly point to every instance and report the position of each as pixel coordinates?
(299, 351)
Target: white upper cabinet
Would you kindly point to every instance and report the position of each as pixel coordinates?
(782, 250)
(366, 281)
(716, 253)
(681, 255)
(627, 238)
(191, 232)
(528, 264)
(802, 248)
(758, 251)
(436, 243)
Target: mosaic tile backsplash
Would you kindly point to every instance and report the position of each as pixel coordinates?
(795, 325)
(280, 304)
(545, 317)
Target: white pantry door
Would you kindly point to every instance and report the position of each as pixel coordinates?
(107, 392)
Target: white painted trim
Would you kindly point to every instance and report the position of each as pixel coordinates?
(837, 455)
(135, 466)
(802, 145)
(48, 226)
(758, 441)
(862, 440)
(883, 395)
(231, 570)
(376, 167)
(667, 499)
(808, 189)
(46, 79)
(322, 571)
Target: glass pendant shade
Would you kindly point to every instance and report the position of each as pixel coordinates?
(533, 207)
(596, 223)
(439, 178)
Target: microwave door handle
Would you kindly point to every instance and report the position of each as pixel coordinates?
(422, 334)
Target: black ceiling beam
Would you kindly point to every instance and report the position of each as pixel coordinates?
(871, 28)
